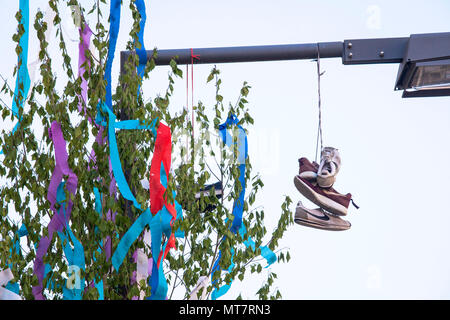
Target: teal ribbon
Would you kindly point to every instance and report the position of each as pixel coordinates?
(179, 209)
(129, 237)
(22, 232)
(98, 207)
(75, 256)
(122, 184)
(159, 225)
(14, 287)
(23, 76)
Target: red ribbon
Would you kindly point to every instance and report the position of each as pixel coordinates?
(162, 155)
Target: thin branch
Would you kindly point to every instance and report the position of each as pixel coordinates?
(176, 275)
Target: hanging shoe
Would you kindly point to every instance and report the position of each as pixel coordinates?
(330, 163)
(218, 190)
(319, 218)
(308, 170)
(205, 192)
(328, 199)
(218, 193)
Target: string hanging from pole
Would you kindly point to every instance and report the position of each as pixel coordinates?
(187, 109)
(193, 56)
(319, 128)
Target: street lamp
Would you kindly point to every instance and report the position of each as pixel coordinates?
(425, 69)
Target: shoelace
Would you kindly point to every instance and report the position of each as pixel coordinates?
(325, 161)
(354, 204)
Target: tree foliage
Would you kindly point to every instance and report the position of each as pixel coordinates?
(28, 162)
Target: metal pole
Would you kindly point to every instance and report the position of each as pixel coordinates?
(356, 51)
(245, 54)
(351, 52)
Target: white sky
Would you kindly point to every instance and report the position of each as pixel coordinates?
(393, 150)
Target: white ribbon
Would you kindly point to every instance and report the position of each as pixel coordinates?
(145, 184)
(71, 25)
(5, 277)
(5, 294)
(203, 282)
(142, 263)
(49, 16)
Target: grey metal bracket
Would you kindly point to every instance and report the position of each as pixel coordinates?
(368, 51)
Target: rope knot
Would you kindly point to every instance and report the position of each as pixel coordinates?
(194, 56)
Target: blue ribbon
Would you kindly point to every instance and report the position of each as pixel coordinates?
(146, 218)
(114, 16)
(114, 22)
(142, 54)
(238, 206)
(160, 222)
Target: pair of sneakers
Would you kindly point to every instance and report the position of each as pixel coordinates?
(315, 182)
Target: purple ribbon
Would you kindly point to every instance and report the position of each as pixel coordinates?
(110, 215)
(83, 46)
(58, 221)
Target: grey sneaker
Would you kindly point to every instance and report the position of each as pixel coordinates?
(330, 163)
(319, 219)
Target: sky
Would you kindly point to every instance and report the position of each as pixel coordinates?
(394, 151)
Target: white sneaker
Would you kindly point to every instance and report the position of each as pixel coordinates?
(330, 163)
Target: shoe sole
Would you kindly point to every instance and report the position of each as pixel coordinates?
(318, 199)
(327, 227)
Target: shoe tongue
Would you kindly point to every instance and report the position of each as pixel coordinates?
(326, 168)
